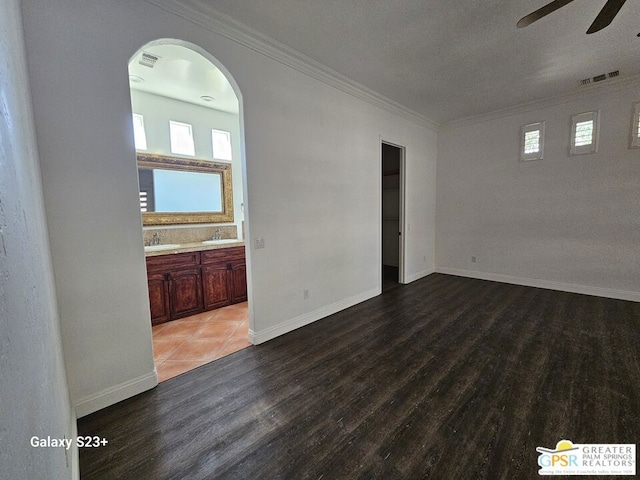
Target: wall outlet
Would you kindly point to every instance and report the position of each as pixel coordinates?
(258, 243)
(473, 260)
(305, 293)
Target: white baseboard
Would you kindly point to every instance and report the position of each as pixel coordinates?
(549, 284)
(295, 323)
(109, 396)
(418, 275)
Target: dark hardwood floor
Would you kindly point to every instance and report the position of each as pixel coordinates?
(445, 378)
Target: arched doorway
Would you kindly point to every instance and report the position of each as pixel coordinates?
(187, 117)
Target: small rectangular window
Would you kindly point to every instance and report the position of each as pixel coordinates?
(635, 127)
(143, 201)
(181, 135)
(584, 133)
(139, 135)
(532, 141)
(221, 143)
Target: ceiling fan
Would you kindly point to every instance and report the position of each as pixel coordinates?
(604, 18)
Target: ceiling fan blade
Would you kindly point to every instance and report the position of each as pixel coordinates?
(542, 12)
(606, 15)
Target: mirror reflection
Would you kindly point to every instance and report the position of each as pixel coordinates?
(179, 191)
(175, 190)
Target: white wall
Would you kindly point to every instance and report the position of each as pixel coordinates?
(313, 177)
(157, 112)
(34, 397)
(572, 220)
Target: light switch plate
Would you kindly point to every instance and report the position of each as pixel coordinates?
(258, 243)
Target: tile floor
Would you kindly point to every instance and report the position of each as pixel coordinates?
(187, 343)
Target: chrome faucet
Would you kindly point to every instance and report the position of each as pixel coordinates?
(217, 235)
(155, 239)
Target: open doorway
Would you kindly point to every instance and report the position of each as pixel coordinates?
(189, 149)
(392, 213)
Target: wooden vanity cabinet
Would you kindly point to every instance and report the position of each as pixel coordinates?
(224, 277)
(238, 274)
(175, 286)
(158, 298)
(185, 292)
(184, 284)
(215, 287)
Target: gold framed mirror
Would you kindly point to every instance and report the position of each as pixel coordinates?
(176, 190)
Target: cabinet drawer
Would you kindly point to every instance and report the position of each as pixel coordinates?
(223, 255)
(163, 263)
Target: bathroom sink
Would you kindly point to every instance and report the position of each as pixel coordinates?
(221, 242)
(155, 248)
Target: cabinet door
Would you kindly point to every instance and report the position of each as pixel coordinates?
(215, 286)
(238, 282)
(185, 292)
(158, 298)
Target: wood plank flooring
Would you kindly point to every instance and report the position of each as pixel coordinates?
(445, 378)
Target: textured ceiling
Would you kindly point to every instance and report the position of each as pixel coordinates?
(450, 59)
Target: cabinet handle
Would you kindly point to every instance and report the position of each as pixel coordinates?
(167, 276)
(229, 266)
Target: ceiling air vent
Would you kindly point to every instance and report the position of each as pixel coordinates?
(148, 60)
(599, 78)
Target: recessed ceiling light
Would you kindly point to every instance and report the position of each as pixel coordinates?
(207, 98)
(136, 79)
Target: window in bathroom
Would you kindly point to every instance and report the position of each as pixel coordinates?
(635, 127)
(221, 143)
(532, 141)
(584, 133)
(181, 135)
(139, 135)
(144, 201)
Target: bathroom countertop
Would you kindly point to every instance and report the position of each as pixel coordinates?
(193, 247)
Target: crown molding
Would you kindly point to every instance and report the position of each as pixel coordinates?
(228, 27)
(614, 85)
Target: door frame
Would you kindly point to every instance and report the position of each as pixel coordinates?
(402, 237)
(243, 159)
